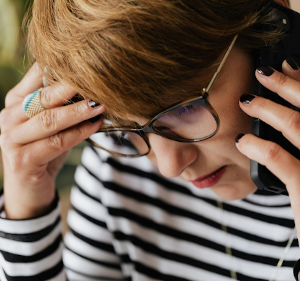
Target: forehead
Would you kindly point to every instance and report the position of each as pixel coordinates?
(190, 88)
(181, 92)
(118, 119)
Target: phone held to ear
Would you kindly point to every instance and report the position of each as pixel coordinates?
(273, 56)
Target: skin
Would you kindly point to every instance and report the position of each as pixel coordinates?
(194, 160)
(35, 149)
(190, 161)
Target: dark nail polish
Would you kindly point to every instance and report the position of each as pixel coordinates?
(238, 137)
(292, 63)
(93, 104)
(265, 70)
(95, 119)
(246, 98)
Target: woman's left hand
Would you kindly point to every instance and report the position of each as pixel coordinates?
(280, 162)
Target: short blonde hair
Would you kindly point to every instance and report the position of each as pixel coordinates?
(133, 56)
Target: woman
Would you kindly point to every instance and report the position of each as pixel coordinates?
(187, 211)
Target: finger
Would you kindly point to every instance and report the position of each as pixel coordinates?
(56, 95)
(279, 162)
(43, 151)
(279, 83)
(52, 121)
(281, 118)
(12, 116)
(32, 81)
(291, 69)
(50, 97)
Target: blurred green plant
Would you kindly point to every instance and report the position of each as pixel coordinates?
(13, 62)
(9, 31)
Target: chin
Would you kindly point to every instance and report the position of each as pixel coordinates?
(236, 191)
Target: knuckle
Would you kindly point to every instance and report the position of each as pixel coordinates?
(81, 109)
(282, 80)
(272, 151)
(56, 142)
(81, 131)
(47, 120)
(262, 104)
(293, 121)
(5, 141)
(4, 115)
(36, 177)
(9, 97)
(46, 98)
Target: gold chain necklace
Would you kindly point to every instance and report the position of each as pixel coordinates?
(280, 262)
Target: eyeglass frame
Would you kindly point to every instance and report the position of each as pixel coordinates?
(148, 127)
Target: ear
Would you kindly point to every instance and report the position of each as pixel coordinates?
(285, 3)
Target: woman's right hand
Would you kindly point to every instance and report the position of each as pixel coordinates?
(33, 150)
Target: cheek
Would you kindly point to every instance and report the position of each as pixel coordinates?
(233, 120)
(151, 156)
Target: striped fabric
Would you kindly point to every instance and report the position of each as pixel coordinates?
(127, 222)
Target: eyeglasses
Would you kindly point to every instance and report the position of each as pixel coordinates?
(192, 120)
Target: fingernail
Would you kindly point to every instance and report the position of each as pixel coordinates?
(292, 63)
(265, 70)
(95, 119)
(246, 98)
(93, 104)
(238, 137)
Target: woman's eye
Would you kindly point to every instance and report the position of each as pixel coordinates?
(185, 110)
(162, 128)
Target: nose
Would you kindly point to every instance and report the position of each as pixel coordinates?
(171, 157)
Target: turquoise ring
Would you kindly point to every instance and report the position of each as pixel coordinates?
(32, 104)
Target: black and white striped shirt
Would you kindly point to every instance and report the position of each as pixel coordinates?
(128, 222)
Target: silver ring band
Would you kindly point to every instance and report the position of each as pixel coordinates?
(32, 104)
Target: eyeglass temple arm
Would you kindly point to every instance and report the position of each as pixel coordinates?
(212, 81)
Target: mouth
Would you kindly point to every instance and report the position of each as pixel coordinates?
(210, 179)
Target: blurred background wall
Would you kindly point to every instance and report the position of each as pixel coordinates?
(13, 65)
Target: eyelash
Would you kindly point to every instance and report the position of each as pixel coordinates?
(185, 110)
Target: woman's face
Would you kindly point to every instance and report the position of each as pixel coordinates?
(190, 161)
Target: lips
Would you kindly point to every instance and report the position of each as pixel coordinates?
(210, 179)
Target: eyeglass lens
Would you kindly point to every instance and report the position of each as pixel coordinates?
(190, 122)
(121, 142)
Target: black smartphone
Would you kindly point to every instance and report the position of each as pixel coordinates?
(289, 21)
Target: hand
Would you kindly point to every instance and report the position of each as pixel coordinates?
(34, 149)
(281, 163)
